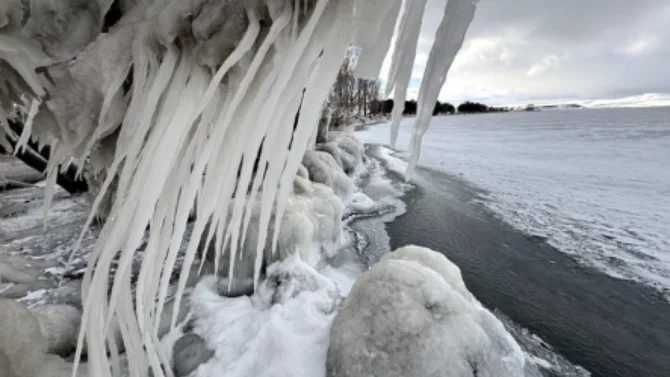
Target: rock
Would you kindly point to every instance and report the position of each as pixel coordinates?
(18, 291)
(10, 273)
(60, 326)
(436, 262)
(23, 347)
(312, 218)
(188, 353)
(403, 319)
(323, 168)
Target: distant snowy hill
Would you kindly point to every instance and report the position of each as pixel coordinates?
(641, 100)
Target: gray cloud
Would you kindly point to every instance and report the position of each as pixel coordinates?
(532, 50)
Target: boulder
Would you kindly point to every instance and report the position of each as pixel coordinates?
(404, 319)
(23, 347)
(60, 326)
(188, 353)
(323, 168)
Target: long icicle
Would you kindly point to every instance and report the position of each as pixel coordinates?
(458, 15)
(402, 64)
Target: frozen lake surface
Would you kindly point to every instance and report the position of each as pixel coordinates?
(595, 183)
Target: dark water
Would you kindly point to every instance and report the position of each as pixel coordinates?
(611, 327)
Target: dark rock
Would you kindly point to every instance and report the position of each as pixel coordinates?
(188, 353)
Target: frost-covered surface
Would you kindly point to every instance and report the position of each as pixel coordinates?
(594, 183)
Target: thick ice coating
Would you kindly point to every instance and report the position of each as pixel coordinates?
(175, 88)
(410, 315)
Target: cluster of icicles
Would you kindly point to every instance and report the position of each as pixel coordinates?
(186, 91)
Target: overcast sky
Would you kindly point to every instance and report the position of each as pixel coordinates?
(519, 51)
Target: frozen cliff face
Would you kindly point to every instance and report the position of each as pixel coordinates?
(409, 315)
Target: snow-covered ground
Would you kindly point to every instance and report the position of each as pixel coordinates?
(594, 183)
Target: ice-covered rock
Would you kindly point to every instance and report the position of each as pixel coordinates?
(311, 227)
(280, 331)
(345, 150)
(188, 353)
(23, 346)
(60, 326)
(323, 168)
(403, 318)
(352, 151)
(435, 261)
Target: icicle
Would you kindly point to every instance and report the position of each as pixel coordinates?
(402, 63)
(27, 127)
(448, 40)
(374, 37)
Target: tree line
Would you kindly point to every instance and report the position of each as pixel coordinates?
(441, 108)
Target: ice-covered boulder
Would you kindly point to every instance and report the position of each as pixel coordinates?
(435, 261)
(404, 319)
(345, 150)
(279, 331)
(310, 227)
(23, 346)
(323, 168)
(60, 326)
(350, 148)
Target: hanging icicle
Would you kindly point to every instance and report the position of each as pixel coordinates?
(458, 15)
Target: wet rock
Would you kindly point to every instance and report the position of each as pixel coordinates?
(188, 353)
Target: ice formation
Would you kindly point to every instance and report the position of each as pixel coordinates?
(187, 94)
(323, 168)
(310, 227)
(411, 315)
(280, 331)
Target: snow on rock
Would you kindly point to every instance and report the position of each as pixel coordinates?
(347, 151)
(23, 347)
(280, 331)
(323, 168)
(404, 318)
(435, 261)
(60, 326)
(310, 227)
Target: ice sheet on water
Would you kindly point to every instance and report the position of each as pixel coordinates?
(593, 183)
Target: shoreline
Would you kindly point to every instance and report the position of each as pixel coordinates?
(595, 321)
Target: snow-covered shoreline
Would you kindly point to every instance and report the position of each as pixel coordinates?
(294, 307)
